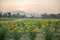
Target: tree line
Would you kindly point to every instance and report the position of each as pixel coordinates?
(9, 15)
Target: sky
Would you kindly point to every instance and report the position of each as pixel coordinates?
(34, 6)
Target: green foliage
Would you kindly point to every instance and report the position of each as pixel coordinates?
(16, 29)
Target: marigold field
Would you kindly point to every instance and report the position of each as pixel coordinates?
(30, 29)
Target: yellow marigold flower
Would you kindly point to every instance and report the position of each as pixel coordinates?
(47, 24)
(21, 28)
(42, 22)
(19, 31)
(32, 22)
(14, 28)
(0, 22)
(33, 25)
(53, 28)
(34, 30)
(8, 25)
(27, 30)
(43, 26)
(24, 23)
(13, 25)
(46, 20)
(27, 25)
(37, 28)
(52, 24)
(12, 31)
(44, 32)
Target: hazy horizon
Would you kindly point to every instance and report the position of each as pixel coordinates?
(31, 6)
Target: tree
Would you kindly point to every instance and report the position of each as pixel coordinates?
(4, 15)
(53, 16)
(8, 14)
(58, 15)
(18, 15)
(44, 15)
(0, 14)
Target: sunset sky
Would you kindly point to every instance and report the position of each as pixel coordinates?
(35, 6)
